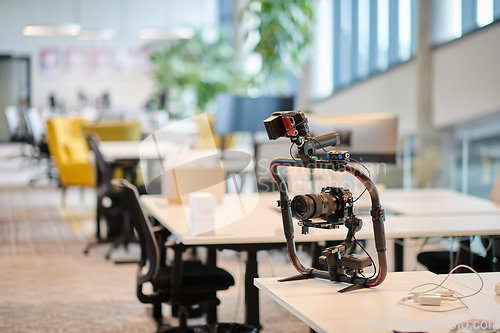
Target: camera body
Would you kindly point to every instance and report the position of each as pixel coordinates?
(333, 207)
(330, 209)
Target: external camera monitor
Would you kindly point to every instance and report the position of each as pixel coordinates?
(367, 137)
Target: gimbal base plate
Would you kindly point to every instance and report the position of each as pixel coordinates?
(356, 286)
(297, 277)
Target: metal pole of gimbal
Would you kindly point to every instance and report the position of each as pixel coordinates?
(377, 214)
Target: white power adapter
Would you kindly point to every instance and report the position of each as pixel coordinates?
(497, 289)
(432, 298)
(429, 299)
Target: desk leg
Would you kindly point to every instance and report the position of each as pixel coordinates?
(252, 309)
(211, 306)
(398, 254)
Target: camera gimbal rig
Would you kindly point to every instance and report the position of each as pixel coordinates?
(334, 206)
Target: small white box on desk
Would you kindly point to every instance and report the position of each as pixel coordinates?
(202, 203)
(202, 208)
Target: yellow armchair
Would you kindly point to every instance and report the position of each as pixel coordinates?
(205, 135)
(69, 150)
(115, 131)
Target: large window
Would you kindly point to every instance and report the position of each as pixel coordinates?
(455, 18)
(359, 38)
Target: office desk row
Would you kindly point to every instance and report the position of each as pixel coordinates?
(262, 228)
(418, 213)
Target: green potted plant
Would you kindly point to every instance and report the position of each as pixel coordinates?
(196, 66)
(286, 33)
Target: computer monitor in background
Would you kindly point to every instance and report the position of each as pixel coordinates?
(367, 137)
(370, 139)
(247, 114)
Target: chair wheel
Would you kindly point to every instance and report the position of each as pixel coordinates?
(86, 251)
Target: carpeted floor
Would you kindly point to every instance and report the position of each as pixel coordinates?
(48, 285)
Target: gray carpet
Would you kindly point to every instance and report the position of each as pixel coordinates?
(48, 285)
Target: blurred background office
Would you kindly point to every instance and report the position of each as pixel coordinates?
(430, 63)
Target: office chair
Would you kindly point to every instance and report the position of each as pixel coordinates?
(115, 130)
(35, 137)
(183, 284)
(14, 124)
(119, 228)
(17, 129)
(69, 149)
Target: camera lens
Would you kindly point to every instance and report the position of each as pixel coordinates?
(314, 205)
(300, 206)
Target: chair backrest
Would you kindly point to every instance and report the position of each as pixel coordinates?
(13, 120)
(70, 151)
(495, 191)
(144, 230)
(104, 176)
(115, 131)
(34, 125)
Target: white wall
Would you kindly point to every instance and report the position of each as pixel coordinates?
(127, 91)
(466, 85)
(391, 92)
(467, 78)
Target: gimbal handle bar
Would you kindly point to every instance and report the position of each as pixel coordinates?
(377, 217)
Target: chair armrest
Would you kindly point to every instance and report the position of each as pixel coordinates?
(159, 228)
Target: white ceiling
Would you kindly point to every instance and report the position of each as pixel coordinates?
(126, 17)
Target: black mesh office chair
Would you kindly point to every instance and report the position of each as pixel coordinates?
(119, 227)
(35, 136)
(183, 284)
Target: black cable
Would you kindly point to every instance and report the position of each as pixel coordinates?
(294, 126)
(291, 155)
(360, 195)
(319, 143)
(369, 174)
(369, 256)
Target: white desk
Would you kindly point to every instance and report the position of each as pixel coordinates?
(262, 228)
(318, 304)
(264, 224)
(435, 202)
(471, 281)
(142, 150)
(122, 150)
(147, 150)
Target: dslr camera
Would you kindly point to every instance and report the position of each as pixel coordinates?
(333, 206)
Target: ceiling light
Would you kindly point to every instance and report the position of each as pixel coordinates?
(52, 30)
(103, 34)
(177, 33)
